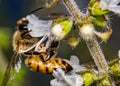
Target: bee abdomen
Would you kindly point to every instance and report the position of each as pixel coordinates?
(36, 64)
(64, 65)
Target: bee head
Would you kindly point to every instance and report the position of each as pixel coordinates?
(22, 24)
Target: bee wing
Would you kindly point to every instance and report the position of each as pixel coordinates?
(39, 27)
(8, 69)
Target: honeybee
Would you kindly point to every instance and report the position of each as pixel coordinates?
(35, 63)
(33, 37)
(23, 42)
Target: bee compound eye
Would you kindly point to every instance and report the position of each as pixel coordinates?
(23, 25)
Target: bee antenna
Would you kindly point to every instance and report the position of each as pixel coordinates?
(36, 9)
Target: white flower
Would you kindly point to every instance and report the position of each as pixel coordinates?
(38, 27)
(62, 79)
(68, 79)
(74, 61)
(104, 4)
(112, 5)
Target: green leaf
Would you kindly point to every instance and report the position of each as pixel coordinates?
(95, 9)
(100, 21)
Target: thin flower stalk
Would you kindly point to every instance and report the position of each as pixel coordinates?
(92, 43)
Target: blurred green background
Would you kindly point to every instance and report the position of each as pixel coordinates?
(12, 10)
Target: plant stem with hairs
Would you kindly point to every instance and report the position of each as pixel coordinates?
(92, 43)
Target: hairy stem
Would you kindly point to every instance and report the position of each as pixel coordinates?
(92, 44)
(73, 8)
(97, 54)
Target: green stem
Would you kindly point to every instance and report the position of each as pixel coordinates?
(97, 54)
(92, 43)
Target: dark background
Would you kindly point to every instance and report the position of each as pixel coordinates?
(12, 10)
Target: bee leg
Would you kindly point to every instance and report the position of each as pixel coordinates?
(55, 44)
(51, 47)
(51, 4)
(52, 53)
(26, 34)
(34, 46)
(28, 53)
(39, 43)
(27, 50)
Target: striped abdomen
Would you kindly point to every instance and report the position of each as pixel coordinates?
(35, 63)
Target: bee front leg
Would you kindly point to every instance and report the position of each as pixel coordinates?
(36, 46)
(42, 49)
(26, 34)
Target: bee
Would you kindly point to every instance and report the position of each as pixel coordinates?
(35, 63)
(33, 37)
(23, 42)
(47, 56)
